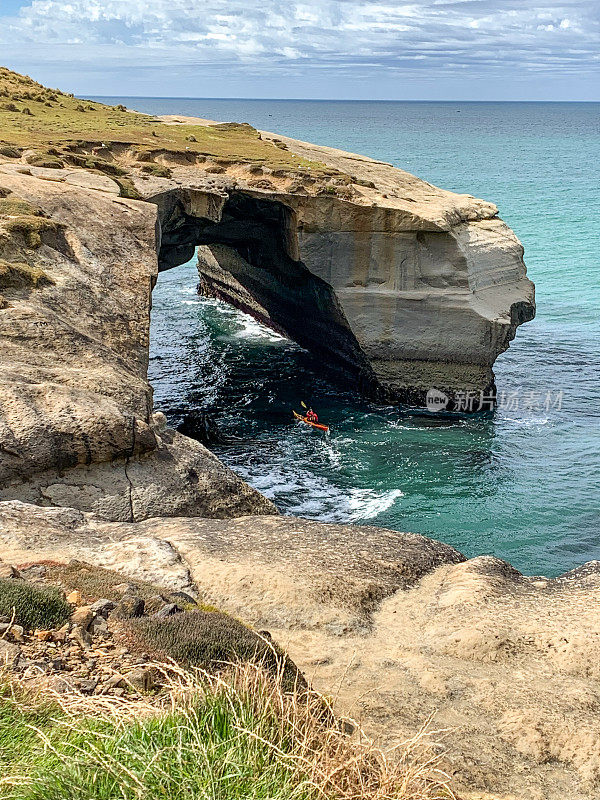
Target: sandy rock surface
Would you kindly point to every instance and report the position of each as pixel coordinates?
(397, 626)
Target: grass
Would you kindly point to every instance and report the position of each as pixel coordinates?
(215, 738)
(33, 606)
(208, 639)
(59, 120)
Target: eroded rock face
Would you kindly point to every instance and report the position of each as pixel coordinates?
(396, 626)
(393, 284)
(76, 423)
(396, 284)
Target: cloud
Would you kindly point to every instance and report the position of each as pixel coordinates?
(433, 38)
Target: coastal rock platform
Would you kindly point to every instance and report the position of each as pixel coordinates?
(399, 628)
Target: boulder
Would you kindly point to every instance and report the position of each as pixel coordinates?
(9, 652)
(129, 607)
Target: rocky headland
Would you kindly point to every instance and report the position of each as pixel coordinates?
(398, 287)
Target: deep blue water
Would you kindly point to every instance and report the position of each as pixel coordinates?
(523, 484)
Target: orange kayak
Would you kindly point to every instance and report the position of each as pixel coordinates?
(308, 422)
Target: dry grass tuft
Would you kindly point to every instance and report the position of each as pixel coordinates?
(229, 736)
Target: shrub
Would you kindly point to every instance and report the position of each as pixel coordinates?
(158, 170)
(10, 152)
(27, 111)
(10, 107)
(33, 606)
(210, 639)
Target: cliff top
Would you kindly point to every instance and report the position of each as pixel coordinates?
(47, 128)
(32, 115)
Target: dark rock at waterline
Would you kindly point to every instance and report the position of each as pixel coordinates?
(202, 427)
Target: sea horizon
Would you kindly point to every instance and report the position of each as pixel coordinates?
(334, 100)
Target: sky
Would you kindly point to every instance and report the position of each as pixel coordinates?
(322, 49)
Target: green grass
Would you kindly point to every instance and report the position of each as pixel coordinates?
(19, 720)
(208, 750)
(214, 739)
(33, 606)
(59, 120)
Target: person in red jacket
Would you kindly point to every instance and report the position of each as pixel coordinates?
(311, 416)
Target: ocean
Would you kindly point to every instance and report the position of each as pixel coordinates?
(522, 483)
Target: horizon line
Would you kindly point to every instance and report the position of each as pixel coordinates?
(325, 99)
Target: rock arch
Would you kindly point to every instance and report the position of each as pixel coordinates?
(389, 303)
(249, 257)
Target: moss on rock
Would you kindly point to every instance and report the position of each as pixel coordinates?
(158, 170)
(10, 152)
(210, 639)
(32, 229)
(44, 160)
(18, 275)
(13, 206)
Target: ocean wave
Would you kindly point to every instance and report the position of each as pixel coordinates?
(367, 504)
(251, 329)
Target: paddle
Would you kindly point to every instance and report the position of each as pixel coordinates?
(303, 404)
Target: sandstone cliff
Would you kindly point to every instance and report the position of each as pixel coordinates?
(408, 286)
(76, 423)
(396, 285)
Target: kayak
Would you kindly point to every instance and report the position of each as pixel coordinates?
(308, 422)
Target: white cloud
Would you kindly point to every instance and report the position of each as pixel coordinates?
(436, 37)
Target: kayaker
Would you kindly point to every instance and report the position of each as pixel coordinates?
(311, 416)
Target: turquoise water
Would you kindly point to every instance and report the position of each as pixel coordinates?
(523, 484)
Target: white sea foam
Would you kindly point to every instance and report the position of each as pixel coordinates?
(367, 504)
(251, 329)
(305, 494)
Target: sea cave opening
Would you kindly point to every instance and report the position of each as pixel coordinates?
(241, 332)
(248, 257)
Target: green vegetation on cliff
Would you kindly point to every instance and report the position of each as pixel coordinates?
(222, 738)
(33, 606)
(33, 116)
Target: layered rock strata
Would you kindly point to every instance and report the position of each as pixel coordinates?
(76, 421)
(393, 283)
